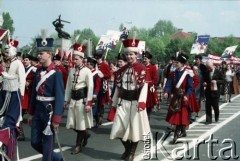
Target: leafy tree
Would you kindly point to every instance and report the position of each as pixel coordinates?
(172, 48)
(85, 34)
(161, 28)
(215, 46)
(156, 47)
(7, 22)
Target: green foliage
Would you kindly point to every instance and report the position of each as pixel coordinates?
(85, 34)
(7, 22)
(161, 28)
(172, 47)
(215, 46)
(156, 47)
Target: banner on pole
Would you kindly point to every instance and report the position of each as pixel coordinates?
(228, 52)
(200, 44)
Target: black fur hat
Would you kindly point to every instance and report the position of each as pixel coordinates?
(182, 58)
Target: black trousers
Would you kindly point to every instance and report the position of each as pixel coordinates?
(212, 102)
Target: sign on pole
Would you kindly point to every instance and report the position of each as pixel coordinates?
(200, 44)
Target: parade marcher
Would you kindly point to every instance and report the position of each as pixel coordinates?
(113, 69)
(131, 123)
(47, 102)
(78, 98)
(202, 71)
(104, 73)
(152, 98)
(195, 106)
(213, 79)
(169, 68)
(10, 98)
(179, 83)
(91, 64)
(121, 61)
(160, 81)
(223, 70)
(58, 64)
(228, 83)
(67, 61)
(35, 63)
(27, 93)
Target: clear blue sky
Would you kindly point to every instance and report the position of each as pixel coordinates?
(213, 17)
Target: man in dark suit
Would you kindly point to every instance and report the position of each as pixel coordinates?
(213, 79)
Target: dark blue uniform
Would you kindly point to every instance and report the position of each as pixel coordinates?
(49, 94)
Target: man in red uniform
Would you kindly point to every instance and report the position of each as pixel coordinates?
(58, 63)
(91, 64)
(104, 73)
(152, 78)
(29, 73)
(130, 124)
(34, 62)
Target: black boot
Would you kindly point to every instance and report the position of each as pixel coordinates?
(21, 136)
(85, 139)
(78, 148)
(132, 151)
(176, 134)
(126, 145)
(96, 121)
(183, 131)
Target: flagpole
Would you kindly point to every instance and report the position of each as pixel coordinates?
(106, 54)
(120, 48)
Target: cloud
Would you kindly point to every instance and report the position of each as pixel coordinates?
(191, 20)
(191, 16)
(229, 16)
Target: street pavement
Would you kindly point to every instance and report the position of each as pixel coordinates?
(101, 148)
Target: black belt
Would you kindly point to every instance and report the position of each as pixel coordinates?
(129, 95)
(79, 94)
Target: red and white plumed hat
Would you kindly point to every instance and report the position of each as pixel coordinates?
(79, 49)
(131, 45)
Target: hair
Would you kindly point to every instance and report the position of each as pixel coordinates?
(92, 64)
(224, 62)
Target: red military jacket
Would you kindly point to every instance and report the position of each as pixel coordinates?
(29, 71)
(104, 73)
(64, 74)
(139, 74)
(97, 82)
(152, 78)
(104, 70)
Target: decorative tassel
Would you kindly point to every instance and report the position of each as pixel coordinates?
(48, 130)
(134, 37)
(77, 37)
(44, 34)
